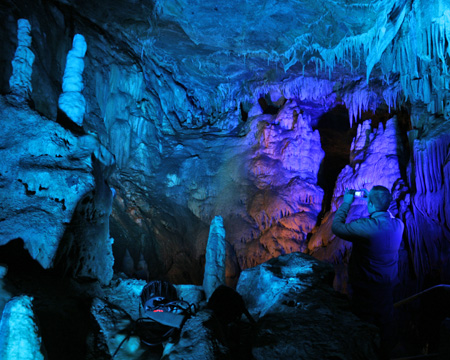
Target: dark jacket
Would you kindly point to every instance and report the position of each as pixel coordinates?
(376, 241)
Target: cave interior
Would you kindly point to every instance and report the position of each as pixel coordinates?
(137, 132)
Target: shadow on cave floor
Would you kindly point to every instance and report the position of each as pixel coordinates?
(63, 316)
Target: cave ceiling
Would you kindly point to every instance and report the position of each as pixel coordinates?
(206, 56)
(212, 47)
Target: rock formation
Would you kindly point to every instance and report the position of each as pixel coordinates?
(215, 257)
(374, 160)
(46, 173)
(298, 287)
(71, 101)
(245, 110)
(20, 81)
(20, 334)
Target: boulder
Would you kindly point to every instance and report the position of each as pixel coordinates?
(299, 314)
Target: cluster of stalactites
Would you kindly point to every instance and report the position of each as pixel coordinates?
(71, 100)
(420, 58)
(415, 44)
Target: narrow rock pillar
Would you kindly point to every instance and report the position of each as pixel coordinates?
(215, 257)
(19, 338)
(71, 101)
(22, 64)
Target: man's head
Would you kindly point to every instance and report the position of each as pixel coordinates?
(379, 199)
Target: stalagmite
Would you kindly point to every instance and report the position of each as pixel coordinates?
(215, 257)
(19, 338)
(20, 81)
(71, 101)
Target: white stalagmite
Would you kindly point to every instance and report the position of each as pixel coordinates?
(19, 338)
(71, 101)
(215, 257)
(20, 81)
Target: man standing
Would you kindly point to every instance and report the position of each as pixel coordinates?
(372, 267)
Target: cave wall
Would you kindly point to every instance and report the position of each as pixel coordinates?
(238, 135)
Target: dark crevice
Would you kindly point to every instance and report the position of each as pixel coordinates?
(336, 138)
(244, 114)
(67, 123)
(268, 107)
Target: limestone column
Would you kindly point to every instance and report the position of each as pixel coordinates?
(19, 335)
(215, 257)
(71, 101)
(22, 64)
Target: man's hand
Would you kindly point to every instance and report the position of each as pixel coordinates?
(349, 196)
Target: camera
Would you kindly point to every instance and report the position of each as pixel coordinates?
(359, 194)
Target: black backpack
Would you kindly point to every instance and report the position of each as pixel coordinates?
(163, 314)
(228, 305)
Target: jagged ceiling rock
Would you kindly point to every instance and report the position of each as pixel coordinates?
(200, 60)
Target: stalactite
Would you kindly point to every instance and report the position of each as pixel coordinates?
(20, 81)
(71, 101)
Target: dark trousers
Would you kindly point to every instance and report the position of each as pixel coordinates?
(374, 303)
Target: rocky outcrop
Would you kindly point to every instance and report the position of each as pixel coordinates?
(115, 326)
(291, 299)
(299, 314)
(283, 167)
(49, 175)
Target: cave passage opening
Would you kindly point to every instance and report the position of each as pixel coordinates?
(270, 107)
(336, 137)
